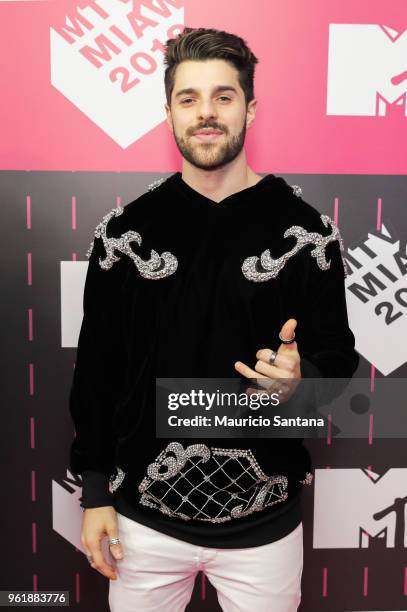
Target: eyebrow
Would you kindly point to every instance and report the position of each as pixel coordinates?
(191, 90)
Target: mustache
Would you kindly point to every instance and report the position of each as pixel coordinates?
(202, 127)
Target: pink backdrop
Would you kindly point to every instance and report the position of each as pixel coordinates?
(44, 130)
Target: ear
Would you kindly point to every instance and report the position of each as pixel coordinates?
(169, 117)
(251, 112)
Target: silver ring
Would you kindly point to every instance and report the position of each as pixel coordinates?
(114, 541)
(287, 341)
(272, 358)
(90, 558)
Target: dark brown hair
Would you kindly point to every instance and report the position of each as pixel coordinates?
(208, 43)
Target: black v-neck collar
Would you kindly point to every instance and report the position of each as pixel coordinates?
(237, 199)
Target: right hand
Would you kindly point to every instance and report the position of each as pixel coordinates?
(97, 523)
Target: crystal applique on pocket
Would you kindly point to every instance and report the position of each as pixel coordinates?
(158, 266)
(209, 484)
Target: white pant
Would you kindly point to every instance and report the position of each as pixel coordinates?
(157, 572)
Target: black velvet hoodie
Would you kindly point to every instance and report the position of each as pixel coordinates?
(181, 286)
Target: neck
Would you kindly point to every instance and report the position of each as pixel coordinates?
(220, 183)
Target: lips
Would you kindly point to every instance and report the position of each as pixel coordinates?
(207, 135)
(207, 132)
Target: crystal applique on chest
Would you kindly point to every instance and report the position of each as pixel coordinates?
(297, 191)
(158, 266)
(155, 184)
(263, 268)
(209, 484)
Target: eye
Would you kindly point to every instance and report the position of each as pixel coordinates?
(220, 97)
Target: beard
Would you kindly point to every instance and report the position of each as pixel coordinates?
(211, 155)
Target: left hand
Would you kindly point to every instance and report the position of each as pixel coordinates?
(286, 365)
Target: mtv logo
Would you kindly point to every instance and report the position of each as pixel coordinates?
(367, 69)
(376, 298)
(66, 511)
(73, 276)
(107, 60)
(355, 508)
(67, 515)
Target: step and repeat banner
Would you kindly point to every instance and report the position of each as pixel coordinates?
(83, 130)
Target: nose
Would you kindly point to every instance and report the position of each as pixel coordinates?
(206, 110)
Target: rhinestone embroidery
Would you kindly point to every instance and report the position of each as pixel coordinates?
(101, 227)
(209, 484)
(297, 190)
(116, 480)
(174, 464)
(308, 478)
(155, 184)
(260, 269)
(158, 266)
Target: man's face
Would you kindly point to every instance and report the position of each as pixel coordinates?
(207, 107)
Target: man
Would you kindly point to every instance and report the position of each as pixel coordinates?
(213, 272)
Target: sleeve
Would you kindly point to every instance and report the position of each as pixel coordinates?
(330, 343)
(98, 377)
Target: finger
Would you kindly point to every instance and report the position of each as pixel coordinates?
(272, 371)
(251, 390)
(272, 387)
(265, 390)
(246, 371)
(287, 332)
(99, 562)
(284, 361)
(115, 549)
